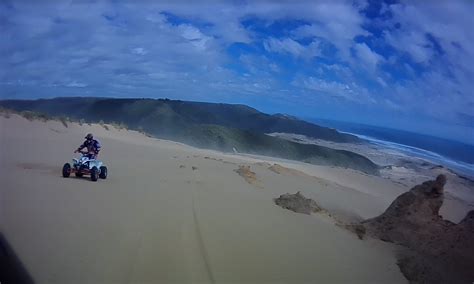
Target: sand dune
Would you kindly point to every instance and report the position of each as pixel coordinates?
(156, 219)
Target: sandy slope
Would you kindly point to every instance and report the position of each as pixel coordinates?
(153, 221)
(404, 170)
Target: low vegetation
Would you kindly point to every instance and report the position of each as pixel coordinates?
(31, 115)
(223, 127)
(5, 112)
(102, 123)
(119, 126)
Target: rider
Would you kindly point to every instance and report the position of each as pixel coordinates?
(92, 145)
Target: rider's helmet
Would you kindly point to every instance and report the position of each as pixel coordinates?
(89, 136)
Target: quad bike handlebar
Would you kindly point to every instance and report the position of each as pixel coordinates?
(84, 153)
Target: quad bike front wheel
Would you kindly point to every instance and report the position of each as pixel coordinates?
(66, 170)
(103, 172)
(94, 174)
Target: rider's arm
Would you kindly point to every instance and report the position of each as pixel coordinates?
(81, 147)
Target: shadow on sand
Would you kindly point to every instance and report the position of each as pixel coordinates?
(12, 270)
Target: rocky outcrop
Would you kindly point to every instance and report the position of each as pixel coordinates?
(437, 250)
(415, 210)
(249, 176)
(297, 203)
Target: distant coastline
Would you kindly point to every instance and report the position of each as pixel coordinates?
(459, 167)
(456, 155)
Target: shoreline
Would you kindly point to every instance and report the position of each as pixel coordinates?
(462, 168)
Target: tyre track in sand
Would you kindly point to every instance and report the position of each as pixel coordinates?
(198, 258)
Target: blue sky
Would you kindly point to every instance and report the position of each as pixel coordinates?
(407, 65)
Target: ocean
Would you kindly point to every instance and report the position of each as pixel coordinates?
(454, 155)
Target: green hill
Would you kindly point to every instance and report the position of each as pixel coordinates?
(206, 125)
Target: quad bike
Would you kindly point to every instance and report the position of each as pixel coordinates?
(85, 166)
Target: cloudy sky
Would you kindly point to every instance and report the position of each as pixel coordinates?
(406, 65)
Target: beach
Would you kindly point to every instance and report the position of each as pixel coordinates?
(171, 213)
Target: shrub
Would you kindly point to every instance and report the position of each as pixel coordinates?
(102, 123)
(28, 115)
(63, 120)
(119, 126)
(143, 132)
(5, 112)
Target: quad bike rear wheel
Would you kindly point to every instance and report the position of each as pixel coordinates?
(103, 172)
(66, 170)
(94, 174)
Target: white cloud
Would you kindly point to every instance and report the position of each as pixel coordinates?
(292, 47)
(259, 65)
(382, 82)
(350, 92)
(274, 67)
(369, 58)
(416, 44)
(447, 22)
(194, 36)
(437, 35)
(75, 84)
(339, 21)
(139, 51)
